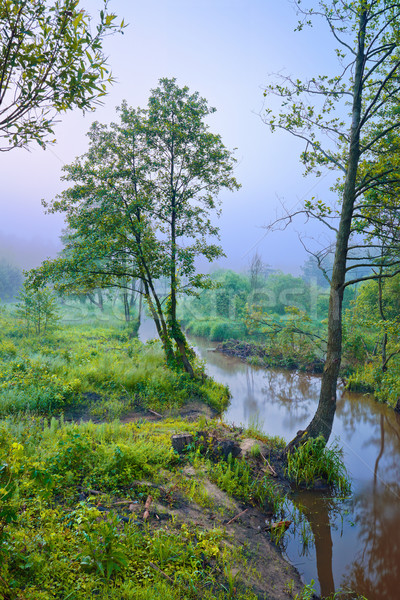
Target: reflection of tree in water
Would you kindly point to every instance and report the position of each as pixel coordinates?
(250, 402)
(379, 422)
(293, 391)
(355, 409)
(375, 568)
(375, 572)
(317, 510)
(317, 516)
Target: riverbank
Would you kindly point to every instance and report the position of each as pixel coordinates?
(258, 355)
(95, 501)
(113, 510)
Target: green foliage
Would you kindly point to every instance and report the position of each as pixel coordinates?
(235, 477)
(51, 60)
(308, 593)
(139, 208)
(101, 367)
(225, 330)
(372, 340)
(10, 280)
(102, 551)
(313, 460)
(53, 544)
(288, 335)
(37, 309)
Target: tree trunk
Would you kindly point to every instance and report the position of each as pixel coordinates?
(156, 312)
(100, 302)
(175, 329)
(127, 312)
(132, 299)
(139, 318)
(322, 422)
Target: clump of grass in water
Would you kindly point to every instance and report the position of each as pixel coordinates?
(313, 460)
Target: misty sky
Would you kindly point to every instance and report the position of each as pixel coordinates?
(227, 50)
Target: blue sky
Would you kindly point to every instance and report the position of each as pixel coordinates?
(225, 49)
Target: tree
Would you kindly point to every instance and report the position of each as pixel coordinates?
(10, 280)
(50, 62)
(140, 206)
(256, 271)
(359, 147)
(37, 308)
(314, 272)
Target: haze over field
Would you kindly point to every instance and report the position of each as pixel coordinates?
(226, 50)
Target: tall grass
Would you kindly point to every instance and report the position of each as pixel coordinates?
(44, 374)
(314, 460)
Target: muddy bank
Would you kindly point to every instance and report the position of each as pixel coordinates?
(191, 496)
(257, 566)
(257, 355)
(93, 408)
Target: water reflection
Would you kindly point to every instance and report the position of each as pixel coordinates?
(375, 569)
(317, 510)
(356, 543)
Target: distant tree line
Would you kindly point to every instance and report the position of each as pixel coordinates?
(11, 279)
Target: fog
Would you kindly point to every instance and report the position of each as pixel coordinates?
(226, 50)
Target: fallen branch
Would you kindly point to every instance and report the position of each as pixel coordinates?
(153, 412)
(237, 516)
(269, 466)
(121, 502)
(95, 492)
(279, 525)
(146, 508)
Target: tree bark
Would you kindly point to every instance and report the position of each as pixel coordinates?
(322, 422)
(127, 312)
(175, 329)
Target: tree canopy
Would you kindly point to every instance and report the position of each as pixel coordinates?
(140, 206)
(350, 126)
(51, 60)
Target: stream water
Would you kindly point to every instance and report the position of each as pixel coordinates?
(349, 544)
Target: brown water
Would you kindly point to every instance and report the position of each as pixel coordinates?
(353, 543)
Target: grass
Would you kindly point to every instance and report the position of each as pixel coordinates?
(58, 541)
(45, 374)
(313, 460)
(236, 478)
(63, 532)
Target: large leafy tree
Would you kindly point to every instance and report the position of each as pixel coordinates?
(356, 142)
(51, 60)
(141, 203)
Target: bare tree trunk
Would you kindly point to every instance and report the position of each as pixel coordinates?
(382, 314)
(100, 300)
(127, 312)
(139, 319)
(132, 299)
(322, 421)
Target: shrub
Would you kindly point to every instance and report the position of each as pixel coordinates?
(225, 330)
